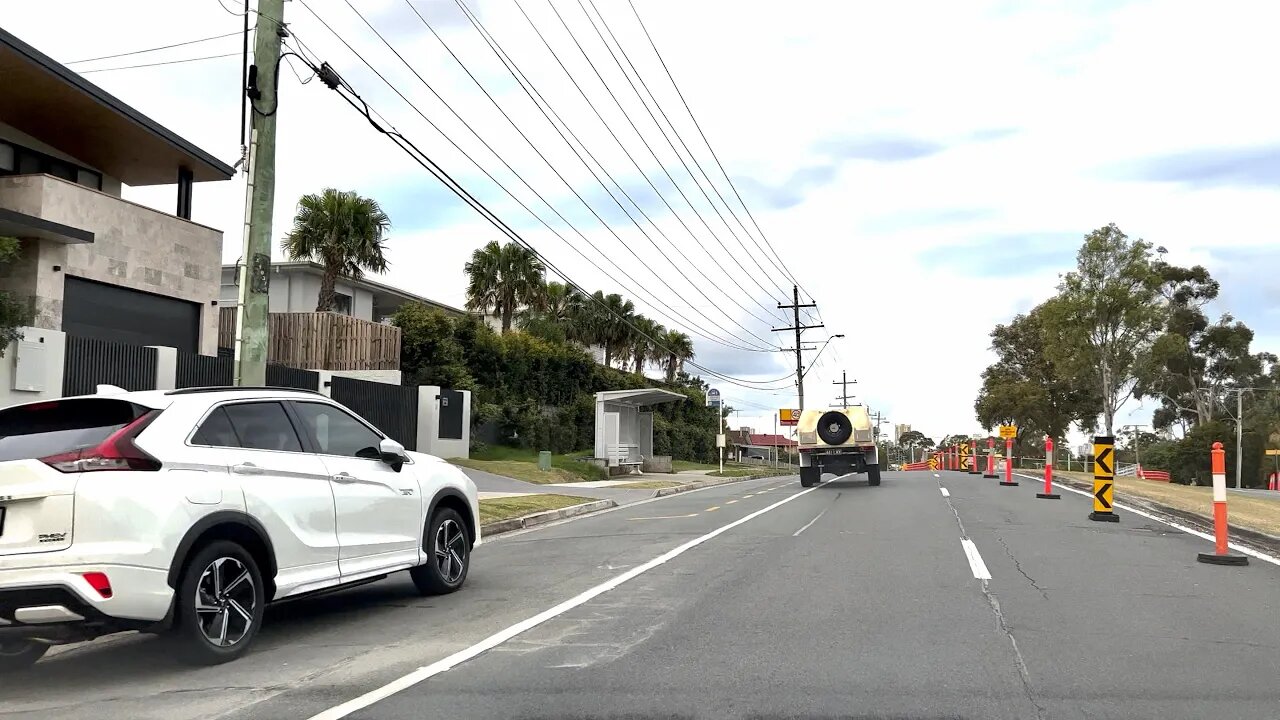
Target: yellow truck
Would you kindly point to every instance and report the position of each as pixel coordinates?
(838, 441)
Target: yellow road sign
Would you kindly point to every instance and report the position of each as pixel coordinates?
(1008, 431)
(933, 463)
(1273, 452)
(964, 449)
(1104, 478)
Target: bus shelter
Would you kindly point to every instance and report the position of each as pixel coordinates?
(624, 425)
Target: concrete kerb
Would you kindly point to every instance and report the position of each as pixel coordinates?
(527, 521)
(546, 516)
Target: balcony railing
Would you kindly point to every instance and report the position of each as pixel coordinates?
(322, 341)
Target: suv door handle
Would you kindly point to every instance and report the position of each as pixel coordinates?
(344, 478)
(246, 468)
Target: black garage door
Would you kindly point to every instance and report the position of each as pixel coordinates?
(110, 312)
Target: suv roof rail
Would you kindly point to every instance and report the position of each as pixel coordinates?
(233, 388)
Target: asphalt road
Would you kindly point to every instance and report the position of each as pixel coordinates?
(842, 601)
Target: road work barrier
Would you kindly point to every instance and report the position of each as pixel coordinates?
(1104, 479)
(1155, 475)
(916, 466)
(1008, 480)
(990, 474)
(1048, 493)
(1220, 555)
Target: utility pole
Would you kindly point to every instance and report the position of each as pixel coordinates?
(254, 268)
(844, 382)
(1239, 433)
(798, 328)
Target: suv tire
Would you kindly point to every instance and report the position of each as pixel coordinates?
(220, 604)
(834, 427)
(448, 552)
(20, 654)
(873, 474)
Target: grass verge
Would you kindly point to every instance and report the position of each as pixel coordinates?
(501, 460)
(512, 507)
(1257, 514)
(650, 484)
(752, 472)
(682, 465)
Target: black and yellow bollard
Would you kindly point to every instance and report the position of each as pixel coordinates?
(1104, 479)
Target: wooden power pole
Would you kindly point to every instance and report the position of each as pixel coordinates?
(798, 328)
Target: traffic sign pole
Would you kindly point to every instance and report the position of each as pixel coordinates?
(1220, 554)
(1104, 479)
(1048, 493)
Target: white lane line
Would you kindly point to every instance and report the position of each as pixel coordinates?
(428, 671)
(809, 524)
(936, 475)
(945, 492)
(975, 560)
(1176, 526)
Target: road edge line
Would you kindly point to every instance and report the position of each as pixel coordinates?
(440, 666)
(1165, 521)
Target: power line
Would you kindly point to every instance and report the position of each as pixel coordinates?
(720, 165)
(333, 81)
(613, 96)
(153, 49)
(157, 64)
(655, 303)
(675, 132)
(525, 85)
(484, 211)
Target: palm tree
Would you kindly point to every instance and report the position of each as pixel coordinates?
(645, 338)
(504, 278)
(608, 324)
(678, 349)
(343, 232)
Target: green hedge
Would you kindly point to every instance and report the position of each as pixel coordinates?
(541, 392)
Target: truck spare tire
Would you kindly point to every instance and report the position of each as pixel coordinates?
(834, 427)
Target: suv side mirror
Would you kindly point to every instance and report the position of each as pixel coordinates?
(392, 453)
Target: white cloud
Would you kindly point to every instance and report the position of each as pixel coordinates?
(1038, 114)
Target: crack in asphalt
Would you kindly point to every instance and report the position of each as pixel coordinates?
(1018, 565)
(994, 603)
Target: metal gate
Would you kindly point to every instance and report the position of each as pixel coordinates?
(285, 376)
(91, 362)
(203, 371)
(450, 414)
(393, 409)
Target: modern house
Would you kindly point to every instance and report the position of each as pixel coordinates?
(295, 288)
(91, 263)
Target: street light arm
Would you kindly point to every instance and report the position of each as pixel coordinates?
(815, 357)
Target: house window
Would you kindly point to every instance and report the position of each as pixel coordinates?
(15, 159)
(342, 304)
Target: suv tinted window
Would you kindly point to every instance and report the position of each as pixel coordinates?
(263, 426)
(43, 429)
(216, 431)
(336, 432)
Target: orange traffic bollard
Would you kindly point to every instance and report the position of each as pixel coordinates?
(990, 474)
(1048, 493)
(1220, 554)
(973, 457)
(1008, 464)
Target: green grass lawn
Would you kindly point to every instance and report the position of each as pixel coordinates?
(522, 464)
(755, 472)
(682, 465)
(651, 484)
(511, 507)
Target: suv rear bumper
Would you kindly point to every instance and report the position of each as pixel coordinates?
(59, 605)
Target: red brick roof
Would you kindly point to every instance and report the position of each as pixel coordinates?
(771, 441)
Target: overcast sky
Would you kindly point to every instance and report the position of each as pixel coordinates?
(925, 169)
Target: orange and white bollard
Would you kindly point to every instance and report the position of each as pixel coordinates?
(1220, 555)
(973, 457)
(1048, 493)
(1008, 464)
(990, 474)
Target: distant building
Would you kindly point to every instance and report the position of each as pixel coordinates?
(899, 430)
(745, 443)
(295, 288)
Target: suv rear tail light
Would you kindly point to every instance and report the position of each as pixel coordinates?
(100, 583)
(117, 452)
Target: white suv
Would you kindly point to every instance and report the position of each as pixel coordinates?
(189, 510)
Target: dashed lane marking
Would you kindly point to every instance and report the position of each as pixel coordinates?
(713, 508)
(665, 517)
(945, 492)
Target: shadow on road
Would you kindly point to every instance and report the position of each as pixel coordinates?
(120, 660)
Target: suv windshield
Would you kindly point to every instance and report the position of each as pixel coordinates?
(43, 429)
